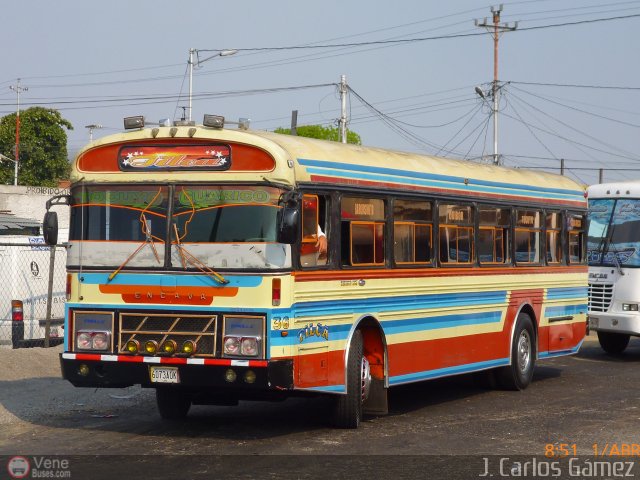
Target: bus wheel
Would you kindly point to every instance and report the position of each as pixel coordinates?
(518, 375)
(172, 404)
(348, 408)
(613, 343)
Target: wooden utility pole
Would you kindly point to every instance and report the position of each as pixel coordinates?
(495, 28)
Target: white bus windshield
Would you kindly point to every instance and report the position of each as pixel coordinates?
(614, 232)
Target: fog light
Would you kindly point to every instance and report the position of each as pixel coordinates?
(250, 376)
(230, 376)
(189, 347)
(151, 347)
(169, 347)
(83, 370)
(133, 346)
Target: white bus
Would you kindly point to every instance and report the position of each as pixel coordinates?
(24, 269)
(614, 263)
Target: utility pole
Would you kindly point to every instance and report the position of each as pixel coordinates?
(191, 52)
(91, 128)
(495, 28)
(343, 110)
(18, 89)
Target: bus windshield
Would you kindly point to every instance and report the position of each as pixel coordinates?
(614, 232)
(201, 222)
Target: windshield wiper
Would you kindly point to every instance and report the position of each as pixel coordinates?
(148, 240)
(188, 257)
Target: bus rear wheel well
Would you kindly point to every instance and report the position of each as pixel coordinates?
(375, 351)
(528, 309)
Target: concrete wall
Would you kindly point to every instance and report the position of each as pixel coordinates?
(30, 202)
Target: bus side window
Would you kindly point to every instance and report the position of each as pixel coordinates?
(313, 250)
(576, 239)
(528, 230)
(363, 231)
(456, 234)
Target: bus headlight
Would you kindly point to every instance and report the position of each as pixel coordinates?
(243, 336)
(630, 307)
(90, 340)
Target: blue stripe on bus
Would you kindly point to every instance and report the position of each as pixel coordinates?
(566, 292)
(563, 310)
(408, 302)
(444, 372)
(559, 353)
(390, 327)
(392, 172)
(161, 280)
(328, 388)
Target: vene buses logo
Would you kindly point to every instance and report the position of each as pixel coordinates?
(174, 157)
(18, 467)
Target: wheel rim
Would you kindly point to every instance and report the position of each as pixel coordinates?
(365, 378)
(524, 351)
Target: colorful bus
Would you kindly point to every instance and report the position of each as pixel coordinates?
(613, 251)
(197, 267)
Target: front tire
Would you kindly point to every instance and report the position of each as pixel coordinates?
(613, 343)
(519, 374)
(348, 408)
(173, 404)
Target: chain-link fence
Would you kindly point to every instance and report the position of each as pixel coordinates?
(32, 294)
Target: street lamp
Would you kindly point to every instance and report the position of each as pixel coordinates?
(92, 127)
(220, 53)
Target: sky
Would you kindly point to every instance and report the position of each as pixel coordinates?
(569, 74)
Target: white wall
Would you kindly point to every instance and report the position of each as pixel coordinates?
(30, 202)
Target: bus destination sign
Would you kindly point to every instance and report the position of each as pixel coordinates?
(174, 157)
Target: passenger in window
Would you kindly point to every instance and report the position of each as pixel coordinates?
(321, 243)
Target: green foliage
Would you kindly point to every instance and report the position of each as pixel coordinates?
(322, 133)
(43, 147)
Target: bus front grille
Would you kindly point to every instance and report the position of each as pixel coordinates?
(160, 327)
(600, 296)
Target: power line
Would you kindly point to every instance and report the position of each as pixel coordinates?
(574, 85)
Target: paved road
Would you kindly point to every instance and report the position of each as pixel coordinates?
(583, 400)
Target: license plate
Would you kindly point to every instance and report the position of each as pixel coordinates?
(164, 375)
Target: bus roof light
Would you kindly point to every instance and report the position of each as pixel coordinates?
(213, 121)
(133, 122)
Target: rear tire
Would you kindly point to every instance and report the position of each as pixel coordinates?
(519, 374)
(348, 408)
(613, 343)
(173, 404)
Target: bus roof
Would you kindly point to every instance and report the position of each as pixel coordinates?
(299, 160)
(629, 189)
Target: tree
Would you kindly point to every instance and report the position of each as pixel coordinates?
(43, 147)
(322, 133)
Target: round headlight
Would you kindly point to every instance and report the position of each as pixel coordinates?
(100, 341)
(189, 347)
(133, 346)
(249, 346)
(83, 341)
(250, 376)
(232, 345)
(230, 376)
(169, 347)
(151, 347)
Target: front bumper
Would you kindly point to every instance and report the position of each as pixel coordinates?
(615, 322)
(118, 371)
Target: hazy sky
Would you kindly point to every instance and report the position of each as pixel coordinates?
(98, 62)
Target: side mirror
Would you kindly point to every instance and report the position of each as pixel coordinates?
(288, 220)
(50, 228)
